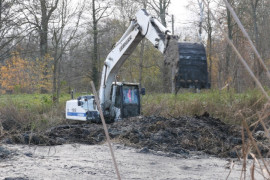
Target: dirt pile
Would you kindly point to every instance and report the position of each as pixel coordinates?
(4, 153)
(181, 135)
(176, 135)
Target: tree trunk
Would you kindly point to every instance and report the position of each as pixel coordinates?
(43, 33)
(201, 19)
(228, 47)
(1, 14)
(95, 74)
(55, 67)
(144, 3)
(257, 67)
(160, 8)
(165, 70)
(209, 45)
(162, 11)
(58, 81)
(44, 29)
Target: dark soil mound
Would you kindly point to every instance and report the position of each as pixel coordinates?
(177, 135)
(4, 153)
(201, 133)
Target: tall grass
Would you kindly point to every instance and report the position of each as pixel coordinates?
(30, 112)
(225, 105)
(37, 112)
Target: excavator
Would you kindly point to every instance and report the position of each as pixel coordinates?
(122, 99)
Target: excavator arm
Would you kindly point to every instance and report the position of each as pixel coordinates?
(143, 26)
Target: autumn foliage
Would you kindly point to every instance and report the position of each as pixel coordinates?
(20, 75)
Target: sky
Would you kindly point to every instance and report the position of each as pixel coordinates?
(182, 15)
(184, 19)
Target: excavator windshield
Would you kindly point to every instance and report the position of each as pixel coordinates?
(130, 94)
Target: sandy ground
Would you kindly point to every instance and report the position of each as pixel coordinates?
(77, 161)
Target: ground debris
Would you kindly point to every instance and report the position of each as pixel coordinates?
(4, 153)
(180, 135)
(16, 178)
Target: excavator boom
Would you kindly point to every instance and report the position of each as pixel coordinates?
(144, 26)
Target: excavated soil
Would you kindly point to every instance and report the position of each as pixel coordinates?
(181, 135)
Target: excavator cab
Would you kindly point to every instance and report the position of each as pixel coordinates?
(125, 100)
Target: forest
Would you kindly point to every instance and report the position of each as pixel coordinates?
(57, 46)
(50, 49)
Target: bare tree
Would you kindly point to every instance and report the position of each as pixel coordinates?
(201, 18)
(98, 11)
(161, 8)
(38, 14)
(228, 47)
(11, 30)
(64, 30)
(144, 3)
(254, 14)
(209, 45)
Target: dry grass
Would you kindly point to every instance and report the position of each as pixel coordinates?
(219, 104)
(255, 139)
(260, 163)
(20, 113)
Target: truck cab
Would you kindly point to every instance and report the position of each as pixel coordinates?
(125, 100)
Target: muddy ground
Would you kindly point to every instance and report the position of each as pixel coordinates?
(181, 136)
(79, 161)
(145, 147)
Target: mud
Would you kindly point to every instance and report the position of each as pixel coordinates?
(171, 56)
(181, 136)
(79, 161)
(5, 153)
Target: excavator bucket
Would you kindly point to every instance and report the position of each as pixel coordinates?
(189, 64)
